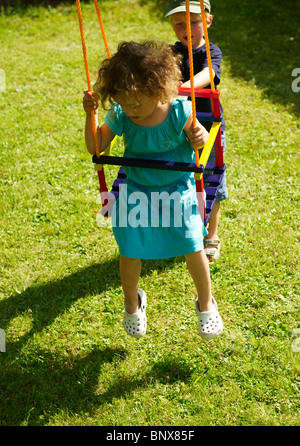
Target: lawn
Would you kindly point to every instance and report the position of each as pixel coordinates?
(68, 360)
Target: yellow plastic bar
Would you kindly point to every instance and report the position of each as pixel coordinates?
(198, 176)
(209, 145)
(105, 152)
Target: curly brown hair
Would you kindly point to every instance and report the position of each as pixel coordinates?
(139, 68)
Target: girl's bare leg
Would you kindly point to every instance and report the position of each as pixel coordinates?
(198, 267)
(130, 270)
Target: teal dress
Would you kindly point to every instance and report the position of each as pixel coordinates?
(156, 215)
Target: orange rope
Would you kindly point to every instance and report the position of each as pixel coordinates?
(190, 50)
(93, 118)
(102, 28)
(212, 83)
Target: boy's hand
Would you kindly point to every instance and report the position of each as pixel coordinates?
(198, 135)
(90, 101)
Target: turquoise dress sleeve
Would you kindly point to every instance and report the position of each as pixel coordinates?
(114, 119)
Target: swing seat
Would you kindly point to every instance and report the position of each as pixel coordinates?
(118, 182)
(212, 183)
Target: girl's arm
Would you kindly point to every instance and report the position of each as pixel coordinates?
(104, 134)
(201, 79)
(197, 135)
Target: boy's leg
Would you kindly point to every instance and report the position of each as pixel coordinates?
(213, 228)
(213, 222)
(198, 267)
(130, 270)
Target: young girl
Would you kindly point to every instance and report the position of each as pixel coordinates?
(140, 83)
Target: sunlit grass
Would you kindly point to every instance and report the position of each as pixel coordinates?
(68, 360)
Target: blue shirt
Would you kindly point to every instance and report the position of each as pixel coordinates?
(200, 62)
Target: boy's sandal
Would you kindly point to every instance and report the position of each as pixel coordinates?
(136, 324)
(212, 253)
(209, 322)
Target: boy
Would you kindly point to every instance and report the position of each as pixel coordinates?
(177, 14)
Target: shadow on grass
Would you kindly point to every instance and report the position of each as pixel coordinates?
(261, 41)
(37, 386)
(47, 301)
(50, 385)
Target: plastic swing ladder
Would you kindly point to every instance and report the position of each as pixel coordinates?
(209, 183)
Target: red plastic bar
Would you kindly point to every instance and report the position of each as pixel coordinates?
(219, 150)
(199, 92)
(103, 187)
(201, 198)
(215, 105)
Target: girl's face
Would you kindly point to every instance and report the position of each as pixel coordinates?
(178, 22)
(137, 108)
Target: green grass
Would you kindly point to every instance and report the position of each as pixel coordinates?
(68, 360)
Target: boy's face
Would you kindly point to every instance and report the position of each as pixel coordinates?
(178, 22)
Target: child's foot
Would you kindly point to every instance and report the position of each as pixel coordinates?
(209, 322)
(212, 248)
(136, 324)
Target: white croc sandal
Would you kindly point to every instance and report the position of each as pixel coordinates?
(212, 253)
(209, 322)
(136, 324)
